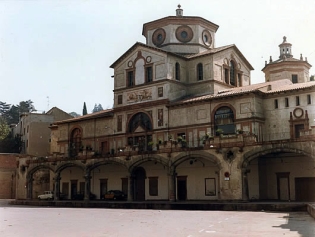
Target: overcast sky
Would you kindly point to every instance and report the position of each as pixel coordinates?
(58, 53)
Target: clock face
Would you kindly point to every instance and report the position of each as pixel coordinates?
(184, 34)
(158, 37)
(207, 38)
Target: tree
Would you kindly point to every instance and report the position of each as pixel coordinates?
(84, 112)
(74, 114)
(4, 129)
(97, 108)
(312, 78)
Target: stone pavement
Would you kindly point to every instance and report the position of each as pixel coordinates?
(54, 221)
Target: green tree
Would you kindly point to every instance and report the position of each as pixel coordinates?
(84, 112)
(4, 129)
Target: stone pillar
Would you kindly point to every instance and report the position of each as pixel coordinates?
(245, 191)
(130, 188)
(171, 185)
(87, 191)
(29, 186)
(57, 186)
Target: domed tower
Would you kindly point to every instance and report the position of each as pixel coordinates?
(287, 67)
(181, 34)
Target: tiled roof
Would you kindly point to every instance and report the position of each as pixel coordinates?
(265, 87)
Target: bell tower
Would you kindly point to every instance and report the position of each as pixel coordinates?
(285, 49)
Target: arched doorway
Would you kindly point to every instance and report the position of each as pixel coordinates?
(139, 184)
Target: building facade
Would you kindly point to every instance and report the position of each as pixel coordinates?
(187, 124)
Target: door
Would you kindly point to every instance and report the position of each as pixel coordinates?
(139, 184)
(65, 190)
(182, 188)
(283, 186)
(298, 128)
(74, 188)
(124, 185)
(103, 188)
(305, 189)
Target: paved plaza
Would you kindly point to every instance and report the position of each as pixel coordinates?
(50, 221)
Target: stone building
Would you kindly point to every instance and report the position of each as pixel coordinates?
(187, 124)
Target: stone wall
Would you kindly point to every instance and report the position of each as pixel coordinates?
(7, 176)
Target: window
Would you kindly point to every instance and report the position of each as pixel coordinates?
(226, 75)
(210, 187)
(130, 78)
(148, 74)
(276, 104)
(120, 99)
(232, 73)
(199, 72)
(160, 117)
(177, 71)
(286, 102)
(295, 78)
(297, 100)
(309, 100)
(224, 120)
(160, 91)
(119, 123)
(153, 186)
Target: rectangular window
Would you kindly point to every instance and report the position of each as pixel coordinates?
(286, 102)
(130, 78)
(148, 74)
(120, 99)
(160, 117)
(276, 104)
(119, 123)
(295, 78)
(297, 100)
(153, 186)
(309, 100)
(199, 72)
(210, 187)
(160, 91)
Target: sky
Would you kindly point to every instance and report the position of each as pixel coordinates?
(58, 53)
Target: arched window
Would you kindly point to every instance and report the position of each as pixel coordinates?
(224, 120)
(232, 73)
(199, 72)
(75, 142)
(177, 72)
(140, 129)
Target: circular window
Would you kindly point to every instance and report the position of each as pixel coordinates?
(184, 34)
(206, 38)
(298, 112)
(158, 37)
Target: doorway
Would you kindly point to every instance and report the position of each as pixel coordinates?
(283, 186)
(103, 188)
(182, 188)
(139, 184)
(74, 188)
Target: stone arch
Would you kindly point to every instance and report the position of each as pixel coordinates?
(142, 119)
(63, 166)
(29, 177)
(140, 160)
(251, 155)
(184, 157)
(114, 161)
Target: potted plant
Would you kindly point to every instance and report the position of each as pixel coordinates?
(219, 132)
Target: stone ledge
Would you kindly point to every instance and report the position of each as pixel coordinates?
(311, 210)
